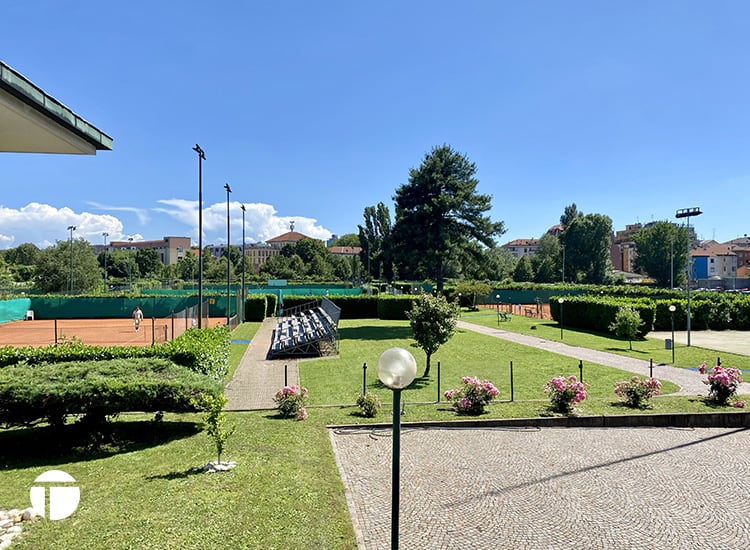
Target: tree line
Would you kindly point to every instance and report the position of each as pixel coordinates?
(441, 230)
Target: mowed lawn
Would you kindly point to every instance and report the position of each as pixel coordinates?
(142, 484)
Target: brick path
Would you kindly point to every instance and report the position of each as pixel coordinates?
(257, 379)
(551, 488)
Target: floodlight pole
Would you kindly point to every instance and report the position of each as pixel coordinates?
(71, 228)
(229, 258)
(105, 235)
(242, 319)
(686, 213)
(201, 158)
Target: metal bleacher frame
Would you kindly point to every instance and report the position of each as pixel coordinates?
(308, 330)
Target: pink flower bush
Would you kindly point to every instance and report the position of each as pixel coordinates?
(290, 400)
(472, 396)
(637, 391)
(565, 392)
(723, 383)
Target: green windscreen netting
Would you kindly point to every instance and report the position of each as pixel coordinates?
(14, 310)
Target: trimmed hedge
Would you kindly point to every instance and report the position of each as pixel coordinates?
(256, 307)
(394, 307)
(205, 351)
(97, 389)
(597, 313)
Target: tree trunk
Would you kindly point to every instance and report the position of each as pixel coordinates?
(426, 372)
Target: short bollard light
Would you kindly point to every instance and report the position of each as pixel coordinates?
(672, 309)
(396, 368)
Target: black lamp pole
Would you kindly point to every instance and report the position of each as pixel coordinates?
(71, 228)
(229, 257)
(201, 158)
(242, 319)
(105, 235)
(686, 213)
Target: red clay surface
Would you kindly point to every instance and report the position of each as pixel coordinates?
(95, 332)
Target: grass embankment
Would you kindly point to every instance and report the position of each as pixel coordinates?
(649, 348)
(141, 486)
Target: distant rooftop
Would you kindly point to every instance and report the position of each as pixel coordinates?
(32, 121)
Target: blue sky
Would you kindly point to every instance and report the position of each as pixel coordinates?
(312, 111)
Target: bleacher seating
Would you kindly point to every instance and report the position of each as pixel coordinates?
(309, 330)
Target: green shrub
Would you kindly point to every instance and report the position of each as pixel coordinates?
(205, 351)
(98, 389)
(256, 307)
(272, 301)
(394, 307)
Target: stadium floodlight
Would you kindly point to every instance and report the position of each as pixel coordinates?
(71, 228)
(229, 257)
(201, 158)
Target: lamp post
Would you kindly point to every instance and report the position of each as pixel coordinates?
(130, 263)
(71, 228)
(229, 256)
(563, 263)
(560, 301)
(686, 213)
(397, 369)
(671, 311)
(243, 263)
(105, 235)
(497, 305)
(201, 158)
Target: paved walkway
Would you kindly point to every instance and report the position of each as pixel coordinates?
(552, 488)
(690, 382)
(257, 379)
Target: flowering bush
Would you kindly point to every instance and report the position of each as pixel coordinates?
(565, 392)
(472, 396)
(723, 383)
(368, 404)
(636, 392)
(291, 401)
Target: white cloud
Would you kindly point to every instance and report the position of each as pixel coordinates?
(140, 213)
(43, 224)
(261, 221)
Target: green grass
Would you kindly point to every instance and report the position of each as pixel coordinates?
(141, 486)
(245, 331)
(650, 348)
(145, 489)
(339, 380)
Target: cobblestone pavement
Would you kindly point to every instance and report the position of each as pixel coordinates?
(551, 488)
(690, 382)
(257, 379)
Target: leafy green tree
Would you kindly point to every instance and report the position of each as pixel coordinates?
(375, 240)
(626, 324)
(348, 239)
(341, 267)
(569, 214)
(547, 260)
(656, 246)
(433, 322)
(523, 272)
(53, 268)
(586, 239)
(473, 290)
(187, 267)
(216, 271)
(23, 254)
(500, 263)
(149, 263)
(438, 212)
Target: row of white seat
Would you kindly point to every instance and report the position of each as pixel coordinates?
(307, 326)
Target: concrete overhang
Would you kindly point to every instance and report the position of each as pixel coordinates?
(32, 121)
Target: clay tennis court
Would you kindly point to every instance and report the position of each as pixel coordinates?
(95, 332)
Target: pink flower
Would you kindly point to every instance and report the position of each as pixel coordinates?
(301, 413)
(739, 404)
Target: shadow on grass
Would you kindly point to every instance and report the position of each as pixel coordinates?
(177, 475)
(418, 384)
(626, 350)
(47, 445)
(375, 333)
